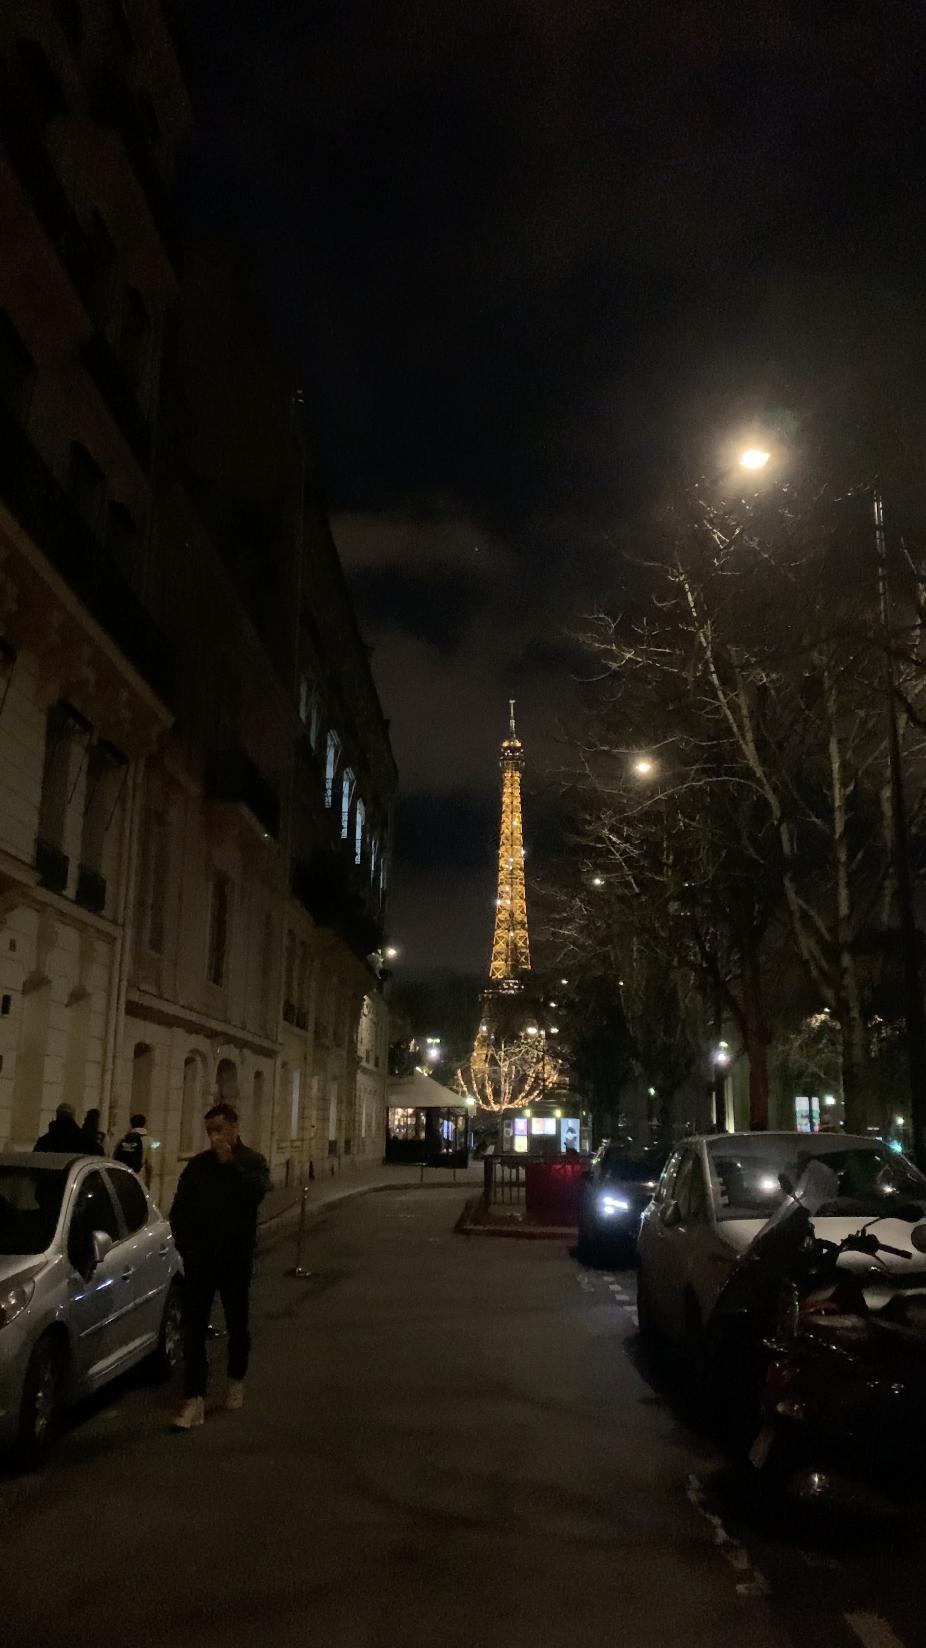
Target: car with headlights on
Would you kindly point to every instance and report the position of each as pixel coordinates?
(717, 1192)
(619, 1185)
(89, 1287)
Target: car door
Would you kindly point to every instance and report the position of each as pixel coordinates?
(676, 1234)
(97, 1292)
(654, 1247)
(148, 1262)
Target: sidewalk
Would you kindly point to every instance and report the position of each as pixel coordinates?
(283, 1201)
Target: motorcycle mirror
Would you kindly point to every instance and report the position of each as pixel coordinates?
(918, 1238)
(910, 1212)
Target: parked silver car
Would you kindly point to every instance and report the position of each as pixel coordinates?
(89, 1285)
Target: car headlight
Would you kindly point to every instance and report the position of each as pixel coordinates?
(613, 1204)
(13, 1300)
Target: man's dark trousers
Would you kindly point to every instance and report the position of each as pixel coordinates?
(231, 1279)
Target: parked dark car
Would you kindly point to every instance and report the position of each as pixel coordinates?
(619, 1186)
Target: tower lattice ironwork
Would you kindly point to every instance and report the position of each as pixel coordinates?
(511, 954)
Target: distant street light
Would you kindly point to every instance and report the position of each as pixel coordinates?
(644, 766)
(531, 1030)
(597, 881)
(390, 952)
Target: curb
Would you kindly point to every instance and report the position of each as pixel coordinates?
(467, 1226)
(315, 1209)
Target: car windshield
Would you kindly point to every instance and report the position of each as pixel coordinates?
(745, 1173)
(631, 1169)
(30, 1201)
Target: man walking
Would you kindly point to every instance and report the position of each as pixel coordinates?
(214, 1221)
(63, 1134)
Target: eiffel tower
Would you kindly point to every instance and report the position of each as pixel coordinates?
(511, 953)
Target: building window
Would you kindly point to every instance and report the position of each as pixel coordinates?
(106, 768)
(65, 731)
(219, 911)
(347, 796)
(192, 1103)
(134, 332)
(359, 826)
(309, 708)
(332, 755)
(295, 1087)
(17, 370)
(86, 486)
(154, 881)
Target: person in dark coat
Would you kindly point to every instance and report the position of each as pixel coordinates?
(94, 1140)
(214, 1221)
(64, 1134)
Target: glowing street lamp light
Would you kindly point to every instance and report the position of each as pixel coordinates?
(644, 766)
(754, 458)
(390, 952)
(597, 881)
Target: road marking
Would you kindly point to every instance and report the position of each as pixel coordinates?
(752, 1583)
(635, 1318)
(608, 1276)
(873, 1631)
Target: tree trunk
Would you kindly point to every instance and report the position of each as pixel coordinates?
(851, 1023)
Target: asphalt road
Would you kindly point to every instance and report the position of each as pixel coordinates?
(447, 1441)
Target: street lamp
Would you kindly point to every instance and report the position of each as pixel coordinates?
(597, 881)
(754, 458)
(390, 952)
(644, 766)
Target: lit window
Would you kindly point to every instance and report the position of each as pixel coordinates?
(332, 754)
(347, 796)
(359, 823)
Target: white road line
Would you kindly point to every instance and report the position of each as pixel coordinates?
(606, 1276)
(873, 1631)
(752, 1583)
(635, 1318)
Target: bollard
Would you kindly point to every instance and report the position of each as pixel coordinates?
(298, 1268)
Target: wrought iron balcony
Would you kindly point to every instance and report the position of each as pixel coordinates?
(52, 866)
(44, 511)
(90, 890)
(338, 898)
(232, 776)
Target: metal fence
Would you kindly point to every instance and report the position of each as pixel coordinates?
(504, 1181)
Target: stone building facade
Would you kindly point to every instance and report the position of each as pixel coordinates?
(196, 782)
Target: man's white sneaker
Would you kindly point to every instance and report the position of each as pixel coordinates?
(192, 1412)
(235, 1398)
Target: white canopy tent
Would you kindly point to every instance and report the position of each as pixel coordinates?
(421, 1092)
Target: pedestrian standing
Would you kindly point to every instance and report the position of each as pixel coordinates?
(214, 1221)
(134, 1148)
(64, 1133)
(94, 1140)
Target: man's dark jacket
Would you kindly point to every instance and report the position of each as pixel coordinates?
(214, 1213)
(64, 1136)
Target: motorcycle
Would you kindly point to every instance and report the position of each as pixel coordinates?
(837, 1352)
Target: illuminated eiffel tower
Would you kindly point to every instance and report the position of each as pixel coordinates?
(511, 952)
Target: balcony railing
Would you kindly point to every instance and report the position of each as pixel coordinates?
(44, 511)
(52, 866)
(232, 776)
(338, 898)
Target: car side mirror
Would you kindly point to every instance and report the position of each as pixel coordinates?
(100, 1244)
(672, 1215)
(910, 1213)
(918, 1238)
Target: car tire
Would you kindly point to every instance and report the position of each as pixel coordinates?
(42, 1401)
(167, 1355)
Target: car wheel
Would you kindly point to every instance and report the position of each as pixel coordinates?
(166, 1358)
(42, 1399)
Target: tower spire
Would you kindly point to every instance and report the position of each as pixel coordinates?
(511, 956)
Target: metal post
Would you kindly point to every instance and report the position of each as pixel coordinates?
(299, 1269)
(909, 934)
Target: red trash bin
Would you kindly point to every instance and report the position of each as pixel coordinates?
(553, 1191)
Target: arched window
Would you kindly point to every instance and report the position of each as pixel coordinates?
(359, 824)
(347, 796)
(332, 755)
(194, 1103)
(226, 1081)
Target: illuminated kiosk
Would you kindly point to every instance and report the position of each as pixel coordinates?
(549, 1128)
(426, 1122)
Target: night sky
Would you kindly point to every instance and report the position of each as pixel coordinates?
(527, 259)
